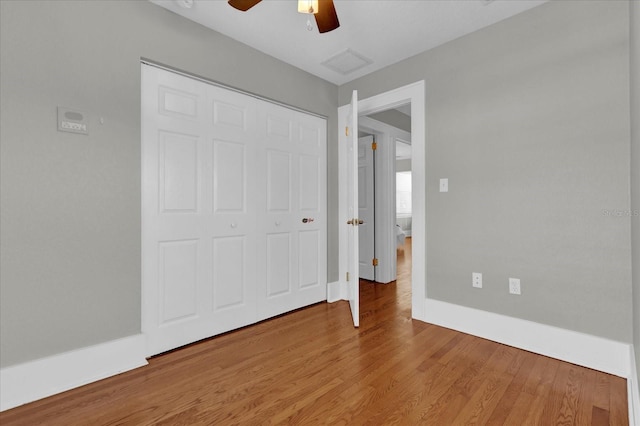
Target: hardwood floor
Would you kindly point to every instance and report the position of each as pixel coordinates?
(312, 367)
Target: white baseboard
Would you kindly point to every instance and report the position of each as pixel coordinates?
(334, 292)
(578, 348)
(33, 380)
(633, 391)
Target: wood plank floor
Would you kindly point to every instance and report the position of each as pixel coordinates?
(312, 367)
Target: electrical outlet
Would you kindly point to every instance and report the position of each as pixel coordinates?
(514, 285)
(476, 279)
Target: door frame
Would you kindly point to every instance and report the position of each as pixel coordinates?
(414, 94)
(385, 210)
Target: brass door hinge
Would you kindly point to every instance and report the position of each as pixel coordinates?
(374, 262)
(374, 145)
(346, 131)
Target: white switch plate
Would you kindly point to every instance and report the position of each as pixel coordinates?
(476, 279)
(514, 285)
(444, 185)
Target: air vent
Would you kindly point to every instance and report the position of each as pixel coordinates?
(347, 62)
(185, 4)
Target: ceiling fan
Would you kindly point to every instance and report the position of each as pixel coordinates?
(322, 10)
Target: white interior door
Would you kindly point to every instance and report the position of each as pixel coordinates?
(230, 211)
(292, 161)
(223, 189)
(366, 207)
(353, 257)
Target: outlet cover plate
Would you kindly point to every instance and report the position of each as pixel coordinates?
(476, 279)
(514, 286)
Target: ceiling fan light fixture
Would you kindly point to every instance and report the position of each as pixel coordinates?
(308, 6)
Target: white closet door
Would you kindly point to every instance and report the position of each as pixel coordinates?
(199, 226)
(292, 160)
(232, 210)
(226, 182)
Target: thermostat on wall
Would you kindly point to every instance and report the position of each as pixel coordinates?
(72, 121)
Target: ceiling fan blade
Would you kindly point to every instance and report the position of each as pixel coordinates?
(326, 18)
(243, 5)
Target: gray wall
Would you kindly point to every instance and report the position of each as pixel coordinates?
(635, 169)
(529, 120)
(393, 118)
(70, 204)
(403, 165)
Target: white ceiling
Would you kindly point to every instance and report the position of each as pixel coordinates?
(383, 31)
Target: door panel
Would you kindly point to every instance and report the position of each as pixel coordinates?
(309, 134)
(278, 181)
(230, 115)
(309, 174)
(178, 279)
(278, 264)
(279, 126)
(178, 103)
(229, 278)
(229, 177)
(178, 165)
(308, 243)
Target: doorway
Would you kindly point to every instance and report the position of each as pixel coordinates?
(390, 132)
(414, 95)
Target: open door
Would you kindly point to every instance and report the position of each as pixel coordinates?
(353, 257)
(413, 94)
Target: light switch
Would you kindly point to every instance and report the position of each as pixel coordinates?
(444, 185)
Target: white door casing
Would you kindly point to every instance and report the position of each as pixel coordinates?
(366, 208)
(204, 246)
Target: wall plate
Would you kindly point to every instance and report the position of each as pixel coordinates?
(476, 279)
(444, 185)
(72, 121)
